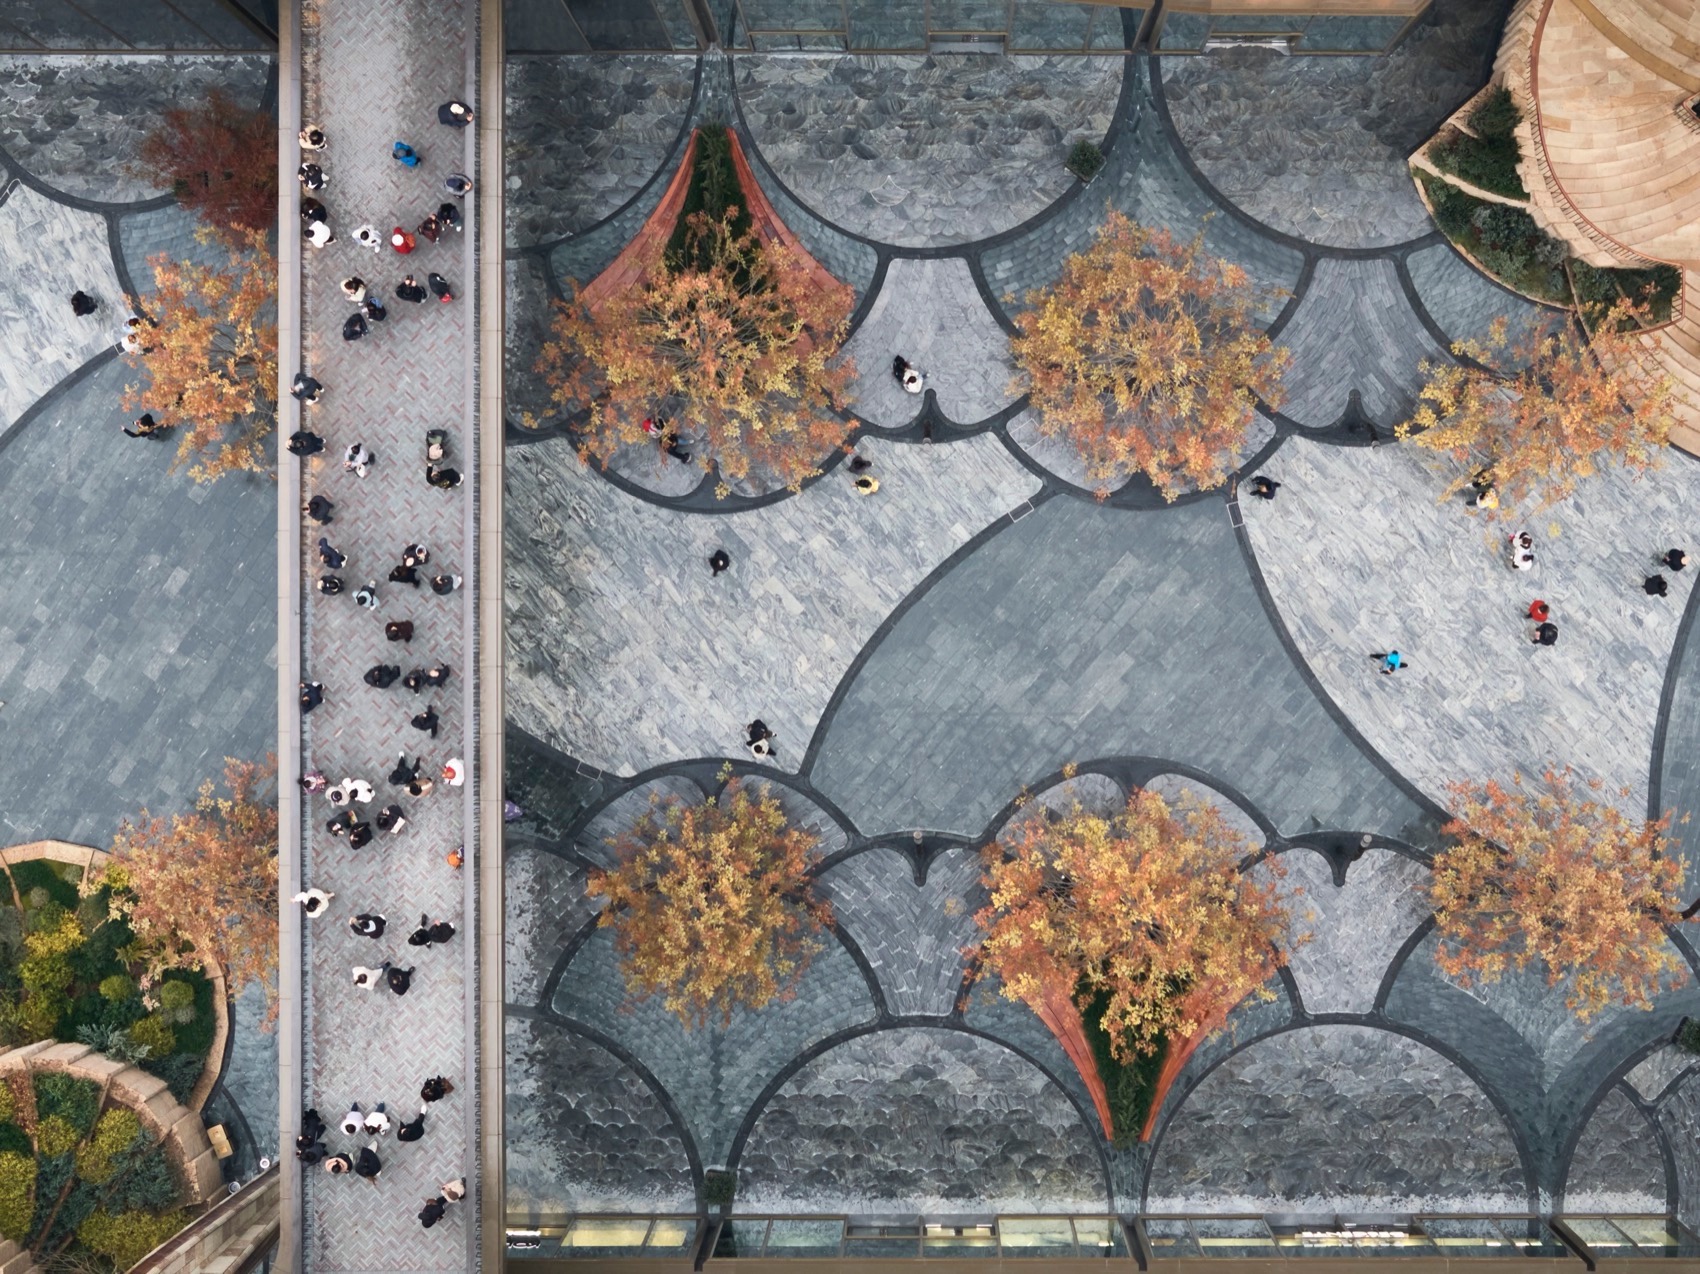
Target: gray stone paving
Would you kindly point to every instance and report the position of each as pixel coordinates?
(1617, 1166)
(926, 151)
(373, 73)
(170, 231)
(1316, 146)
(1355, 930)
(1146, 180)
(584, 1132)
(77, 123)
(713, 1074)
(1679, 784)
(1028, 656)
(545, 906)
(913, 935)
(1059, 457)
(1354, 330)
(930, 313)
(812, 577)
(1679, 1116)
(250, 1076)
(584, 134)
(1184, 793)
(1465, 302)
(1360, 557)
(1654, 1075)
(1329, 1118)
(942, 1122)
(131, 661)
(47, 252)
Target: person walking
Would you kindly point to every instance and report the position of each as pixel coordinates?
(338, 1165)
(446, 478)
(319, 508)
(404, 773)
(354, 288)
(399, 979)
(404, 574)
(312, 695)
(374, 309)
(311, 176)
(420, 786)
(367, 925)
(313, 901)
(383, 676)
(354, 327)
(427, 933)
(356, 459)
(339, 824)
(458, 184)
(448, 217)
(330, 585)
(1264, 488)
(146, 426)
(415, 555)
(82, 304)
(399, 630)
(454, 1191)
(313, 781)
(310, 1151)
(367, 236)
(432, 1212)
(428, 229)
(454, 771)
(366, 979)
(866, 485)
(360, 836)
(313, 210)
(1391, 662)
(353, 1121)
(1546, 634)
(402, 241)
(427, 721)
(438, 674)
(368, 1165)
(455, 113)
(304, 442)
(368, 595)
(443, 585)
(318, 233)
(305, 388)
(718, 561)
(409, 290)
(404, 155)
(392, 818)
(329, 555)
(377, 1122)
(1674, 560)
(435, 1089)
(312, 137)
(358, 790)
(439, 287)
(1655, 586)
(1522, 546)
(760, 739)
(1539, 611)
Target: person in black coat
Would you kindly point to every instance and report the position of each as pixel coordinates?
(312, 1125)
(305, 389)
(399, 630)
(312, 1152)
(404, 773)
(367, 925)
(374, 310)
(455, 113)
(412, 1130)
(82, 304)
(368, 1164)
(433, 1211)
(439, 287)
(404, 574)
(304, 442)
(319, 508)
(360, 835)
(383, 676)
(426, 720)
(336, 1165)
(409, 290)
(354, 327)
(392, 818)
(312, 695)
(399, 979)
(438, 675)
(342, 823)
(329, 556)
(435, 1089)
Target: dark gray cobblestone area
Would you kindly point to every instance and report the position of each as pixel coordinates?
(1336, 1117)
(714, 1073)
(1464, 302)
(170, 231)
(926, 151)
(1316, 147)
(983, 687)
(546, 904)
(1616, 1166)
(584, 1132)
(129, 668)
(920, 1120)
(250, 1076)
(1679, 1116)
(1679, 774)
(77, 123)
(584, 134)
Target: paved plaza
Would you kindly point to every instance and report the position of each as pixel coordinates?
(931, 654)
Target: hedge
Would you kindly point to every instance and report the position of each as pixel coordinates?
(1487, 162)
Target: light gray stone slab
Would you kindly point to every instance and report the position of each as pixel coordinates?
(1360, 557)
(931, 314)
(925, 151)
(625, 653)
(917, 1120)
(1654, 1074)
(1183, 792)
(1616, 1166)
(47, 252)
(1336, 1119)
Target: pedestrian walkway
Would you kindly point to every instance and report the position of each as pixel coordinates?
(374, 72)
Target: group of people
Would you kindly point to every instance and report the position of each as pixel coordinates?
(372, 1126)
(360, 811)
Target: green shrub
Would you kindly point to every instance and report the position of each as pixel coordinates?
(196, 1034)
(713, 190)
(130, 1236)
(15, 1140)
(52, 1174)
(718, 1187)
(1598, 290)
(1128, 1086)
(38, 1017)
(176, 995)
(1497, 116)
(78, 1100)
(117, 1131)
(180, 1071)
(55, 1136)
(8, 1101)
(1688, 1035)
(143, 1179)
(118, 986)
(1487, 162)
(78, 1206)
(1505, 241)
(154, 1032)
(17, 1188)
(43, 874)
(1085, 160)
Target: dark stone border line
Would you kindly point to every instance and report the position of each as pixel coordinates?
(1667, 700)
(77, 202)
(629, 1060)
(1178, 1095)
(1088, 1117)
(1616, 1079)
(1396, 965)
(1296, 298)
(1279, 625)
(670, 162)
(55, 392)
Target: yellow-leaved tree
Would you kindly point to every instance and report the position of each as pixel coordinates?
(711, 904)
(211, 358)
(1543, 874)
(1141, 910)
(1544, 409)
(732, 340)
(1146, 356)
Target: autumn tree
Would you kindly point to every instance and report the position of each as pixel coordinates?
(736, 341)
(199, 890)
(1146, 356)
(1546, 874)
(221, 161)
(211, 358)
(1545, 409)
(711, 904)
(1143, 910)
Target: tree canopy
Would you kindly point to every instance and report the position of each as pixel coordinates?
(711, 904)
(220, 159)
(1143, 910)
(1146, 356)
(1543, 874)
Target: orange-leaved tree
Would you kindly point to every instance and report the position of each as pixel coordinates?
(711, 904)
(1545, 874)
(211, 359)
(1146, 356)
(1544, 409)
(199, 890)
(221, 161)
(736, 342)
(1141, 910)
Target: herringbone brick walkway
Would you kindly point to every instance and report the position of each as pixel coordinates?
(374, 72)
